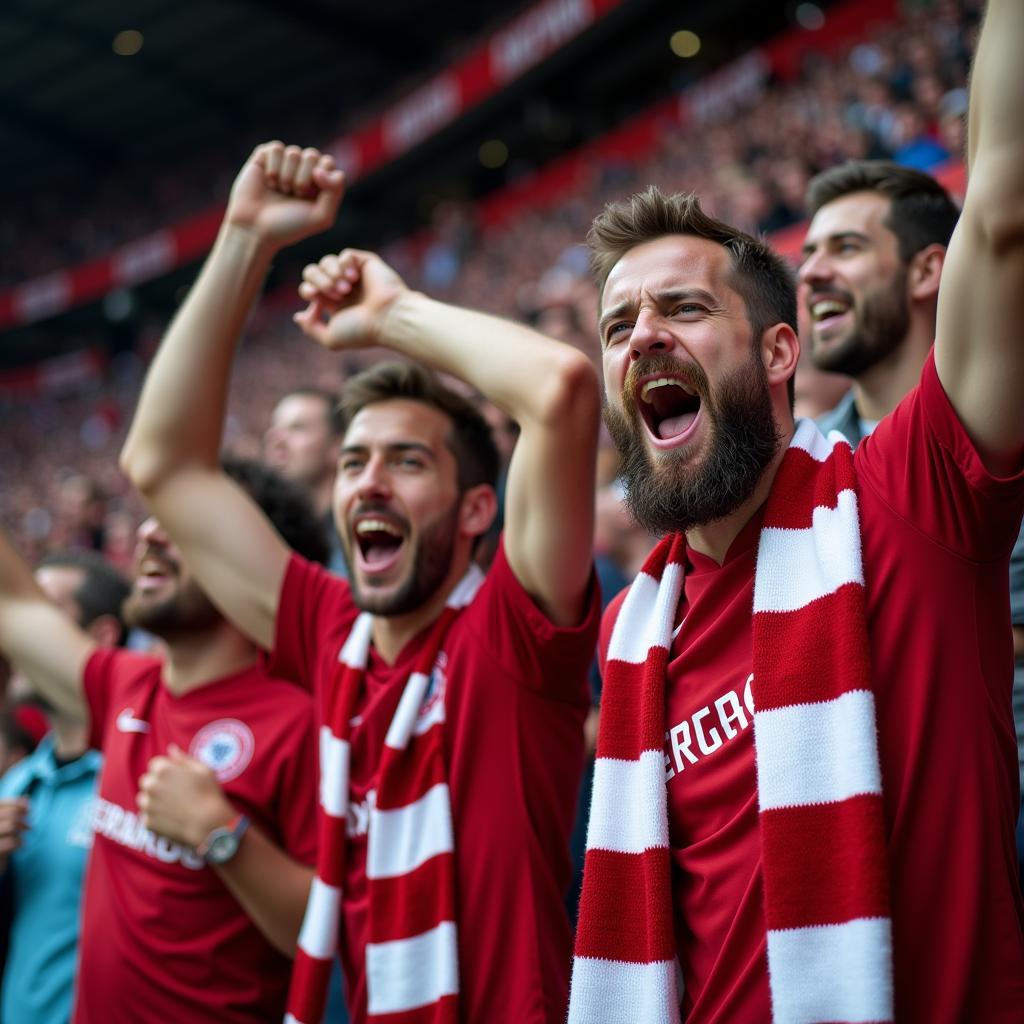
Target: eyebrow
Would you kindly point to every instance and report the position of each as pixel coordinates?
(396, 448)
(838, 236)
(667, 296)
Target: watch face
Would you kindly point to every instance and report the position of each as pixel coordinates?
(222, 848)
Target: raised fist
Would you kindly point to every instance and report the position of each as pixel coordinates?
(284, 194)
(349, 297)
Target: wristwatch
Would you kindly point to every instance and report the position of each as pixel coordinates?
(222, 843)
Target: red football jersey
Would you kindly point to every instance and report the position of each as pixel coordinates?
(162, 937)
(515, 695)
(937, 530)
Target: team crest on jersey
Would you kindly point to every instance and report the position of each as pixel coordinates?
(433, 699)
(225, 746)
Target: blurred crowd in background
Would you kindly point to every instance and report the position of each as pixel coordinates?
(898, 93)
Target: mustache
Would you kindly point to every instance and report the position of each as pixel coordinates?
(160, 555)
(690, 373)
(379, 508)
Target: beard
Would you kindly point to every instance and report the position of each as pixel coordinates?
(184, 613)
(880, 326)
(673, 491)
(432, 561)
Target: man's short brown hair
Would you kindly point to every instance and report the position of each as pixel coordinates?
(760, 276)
(921, 211)
(470, 439)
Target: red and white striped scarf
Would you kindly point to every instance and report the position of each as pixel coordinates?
(412, 963)
(823, 848)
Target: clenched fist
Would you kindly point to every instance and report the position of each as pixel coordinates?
(284, 193)
(181, 799)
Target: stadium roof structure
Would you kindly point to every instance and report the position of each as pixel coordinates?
(103, 89)
(91, 87)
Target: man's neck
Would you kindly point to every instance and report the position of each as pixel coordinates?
(880, 389)
(714, 539)
(392, 632)
(70, 738)
(205, 657)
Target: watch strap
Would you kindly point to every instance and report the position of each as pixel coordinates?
(233, 830)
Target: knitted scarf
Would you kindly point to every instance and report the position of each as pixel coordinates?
(412, 967)
(823, 849)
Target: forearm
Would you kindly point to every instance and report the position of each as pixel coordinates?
(37, 637)
(552, 392)
(997, 84)
(180, 415)
(529, 376)
(271, 887)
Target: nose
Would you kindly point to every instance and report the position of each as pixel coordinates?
(649, 336)
(815, 269)
(151, 532)
(374, 481)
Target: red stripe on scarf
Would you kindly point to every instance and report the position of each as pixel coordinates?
(309, 980)
(803, 484)
(617, 878)
(821, 662)
(815, 847)
(444, 1011)
(630, 726)
(332, 840)
(423, 773)
(398, 913)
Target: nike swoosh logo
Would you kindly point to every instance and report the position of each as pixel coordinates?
(127, 722)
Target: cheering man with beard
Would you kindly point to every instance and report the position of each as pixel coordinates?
(805, 787)
(201, 860)
(869, 278)
(451, 706)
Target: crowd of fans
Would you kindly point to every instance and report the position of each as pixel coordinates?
(899, 93)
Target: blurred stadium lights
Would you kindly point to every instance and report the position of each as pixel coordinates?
(119, 305)
(128, 43)
(685, 43)
(809, 16)
(493, 153)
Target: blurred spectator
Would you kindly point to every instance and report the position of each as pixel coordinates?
(302, 444)
(22, 726)
(82, 512)
(46, 806)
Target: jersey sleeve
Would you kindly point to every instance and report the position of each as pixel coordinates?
(314, 607)
(921, 463)
(550, 659)
(104, 678)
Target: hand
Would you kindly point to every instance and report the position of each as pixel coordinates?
(12, 825)
(349, 297)
(284, 193)
(181, 799)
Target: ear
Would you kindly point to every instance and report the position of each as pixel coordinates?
(780, 350)
(477, 509)
(924, 271)
(105, 630)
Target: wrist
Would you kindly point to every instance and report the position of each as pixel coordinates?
(245, 242)
(222, 843)
(219, 814)
(396, 315)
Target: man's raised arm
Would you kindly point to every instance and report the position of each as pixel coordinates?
(979, 349)
(39, 638)
(550, 389)
(281, 195)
